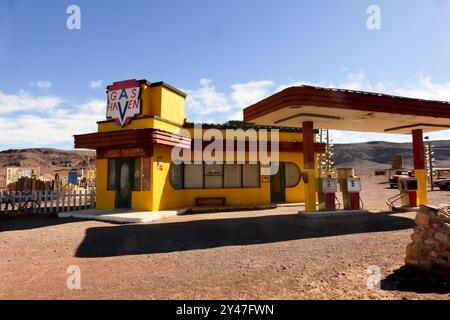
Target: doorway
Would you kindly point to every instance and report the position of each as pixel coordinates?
(124, 182)
(278, 185)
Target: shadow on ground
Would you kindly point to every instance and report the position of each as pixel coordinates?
(409, 279)
(28, 222)
(203, 234)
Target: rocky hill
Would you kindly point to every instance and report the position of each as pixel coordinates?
(49, 160)
(365, 156)
(378, 154)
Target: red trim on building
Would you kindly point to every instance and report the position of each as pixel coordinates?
(130, 138)
(126, 84)
(346, 99)
(418, 149)
(283, 146)
(308, 144)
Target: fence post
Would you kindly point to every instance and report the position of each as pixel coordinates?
(92, 199)
(52, 200)
(68, 200)
(13, 201)
(45, 200)
(19, 199)
(39, 200)
(74, 203)
(34, 197)
(58, 200)
(79, 200)
(1, 202)
(85, 199)
(64, 201)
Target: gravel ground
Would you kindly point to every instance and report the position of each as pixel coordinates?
(270, 254)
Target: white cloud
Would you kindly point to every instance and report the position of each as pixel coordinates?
(206, 99)
(44, 85)
(56, 123)
(246, 94)
(424, 88)
(44, 120)
(220, 106)
(23, 101)
(96, 84)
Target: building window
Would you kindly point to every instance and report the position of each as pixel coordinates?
(250, 176)
(111, 175)
(233, 176)
(146, 174)
(292, 174)
(137, 175)
(213, 176)
(193, 176)
(176, 176)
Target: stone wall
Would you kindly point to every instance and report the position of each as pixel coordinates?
(430, 248)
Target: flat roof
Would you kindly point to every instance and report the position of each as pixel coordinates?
(235, 124)
(160, 84)
(341, 109)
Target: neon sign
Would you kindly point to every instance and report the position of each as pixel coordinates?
(124, 101)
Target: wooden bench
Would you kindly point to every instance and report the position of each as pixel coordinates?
(210, 201)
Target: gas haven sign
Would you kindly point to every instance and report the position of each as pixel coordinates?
(124, 101)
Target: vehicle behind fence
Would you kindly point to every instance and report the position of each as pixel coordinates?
(39, 202)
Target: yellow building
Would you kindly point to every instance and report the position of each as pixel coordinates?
(145, 124)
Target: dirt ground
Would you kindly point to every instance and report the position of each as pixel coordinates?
(270, 254)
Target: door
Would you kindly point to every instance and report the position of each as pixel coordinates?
(278, 186)
(124, 181)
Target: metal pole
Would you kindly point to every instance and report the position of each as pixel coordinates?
(320, 154)
(430, 163)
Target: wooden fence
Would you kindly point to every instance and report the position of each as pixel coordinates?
(48, 201)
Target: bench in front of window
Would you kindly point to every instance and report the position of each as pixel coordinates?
(210, 201)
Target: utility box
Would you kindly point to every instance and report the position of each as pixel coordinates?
(327, 188)
(408, 190)
(353, 185)
(397, 162)
(350, 187)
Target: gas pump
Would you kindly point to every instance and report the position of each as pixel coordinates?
(408, 190)
(327, 188)
(350, 187)
(408, 194)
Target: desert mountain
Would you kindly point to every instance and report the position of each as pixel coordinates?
(49, 160)
(378, 154)
(366, 156)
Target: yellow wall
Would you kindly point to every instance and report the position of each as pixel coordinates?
(296, 194)
(173, 103)
(169, 105)
(166, 197)
(142, 200)
(140, 123)
(105, 199)
(155, 101)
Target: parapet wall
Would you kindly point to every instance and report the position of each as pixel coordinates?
(430, 248)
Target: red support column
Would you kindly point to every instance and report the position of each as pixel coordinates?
(419, 166)
(308, 162)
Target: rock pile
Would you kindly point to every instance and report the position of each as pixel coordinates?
(430, 248)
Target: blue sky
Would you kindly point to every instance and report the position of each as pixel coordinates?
(226, 54)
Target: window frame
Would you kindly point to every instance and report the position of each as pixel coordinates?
(136, 188)
(241, 168)
(181, 187)
(259, 176)
(299, 175)
(184, 176)
(211, 175)
(108, 185)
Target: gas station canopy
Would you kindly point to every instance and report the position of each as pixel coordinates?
(339, 109)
